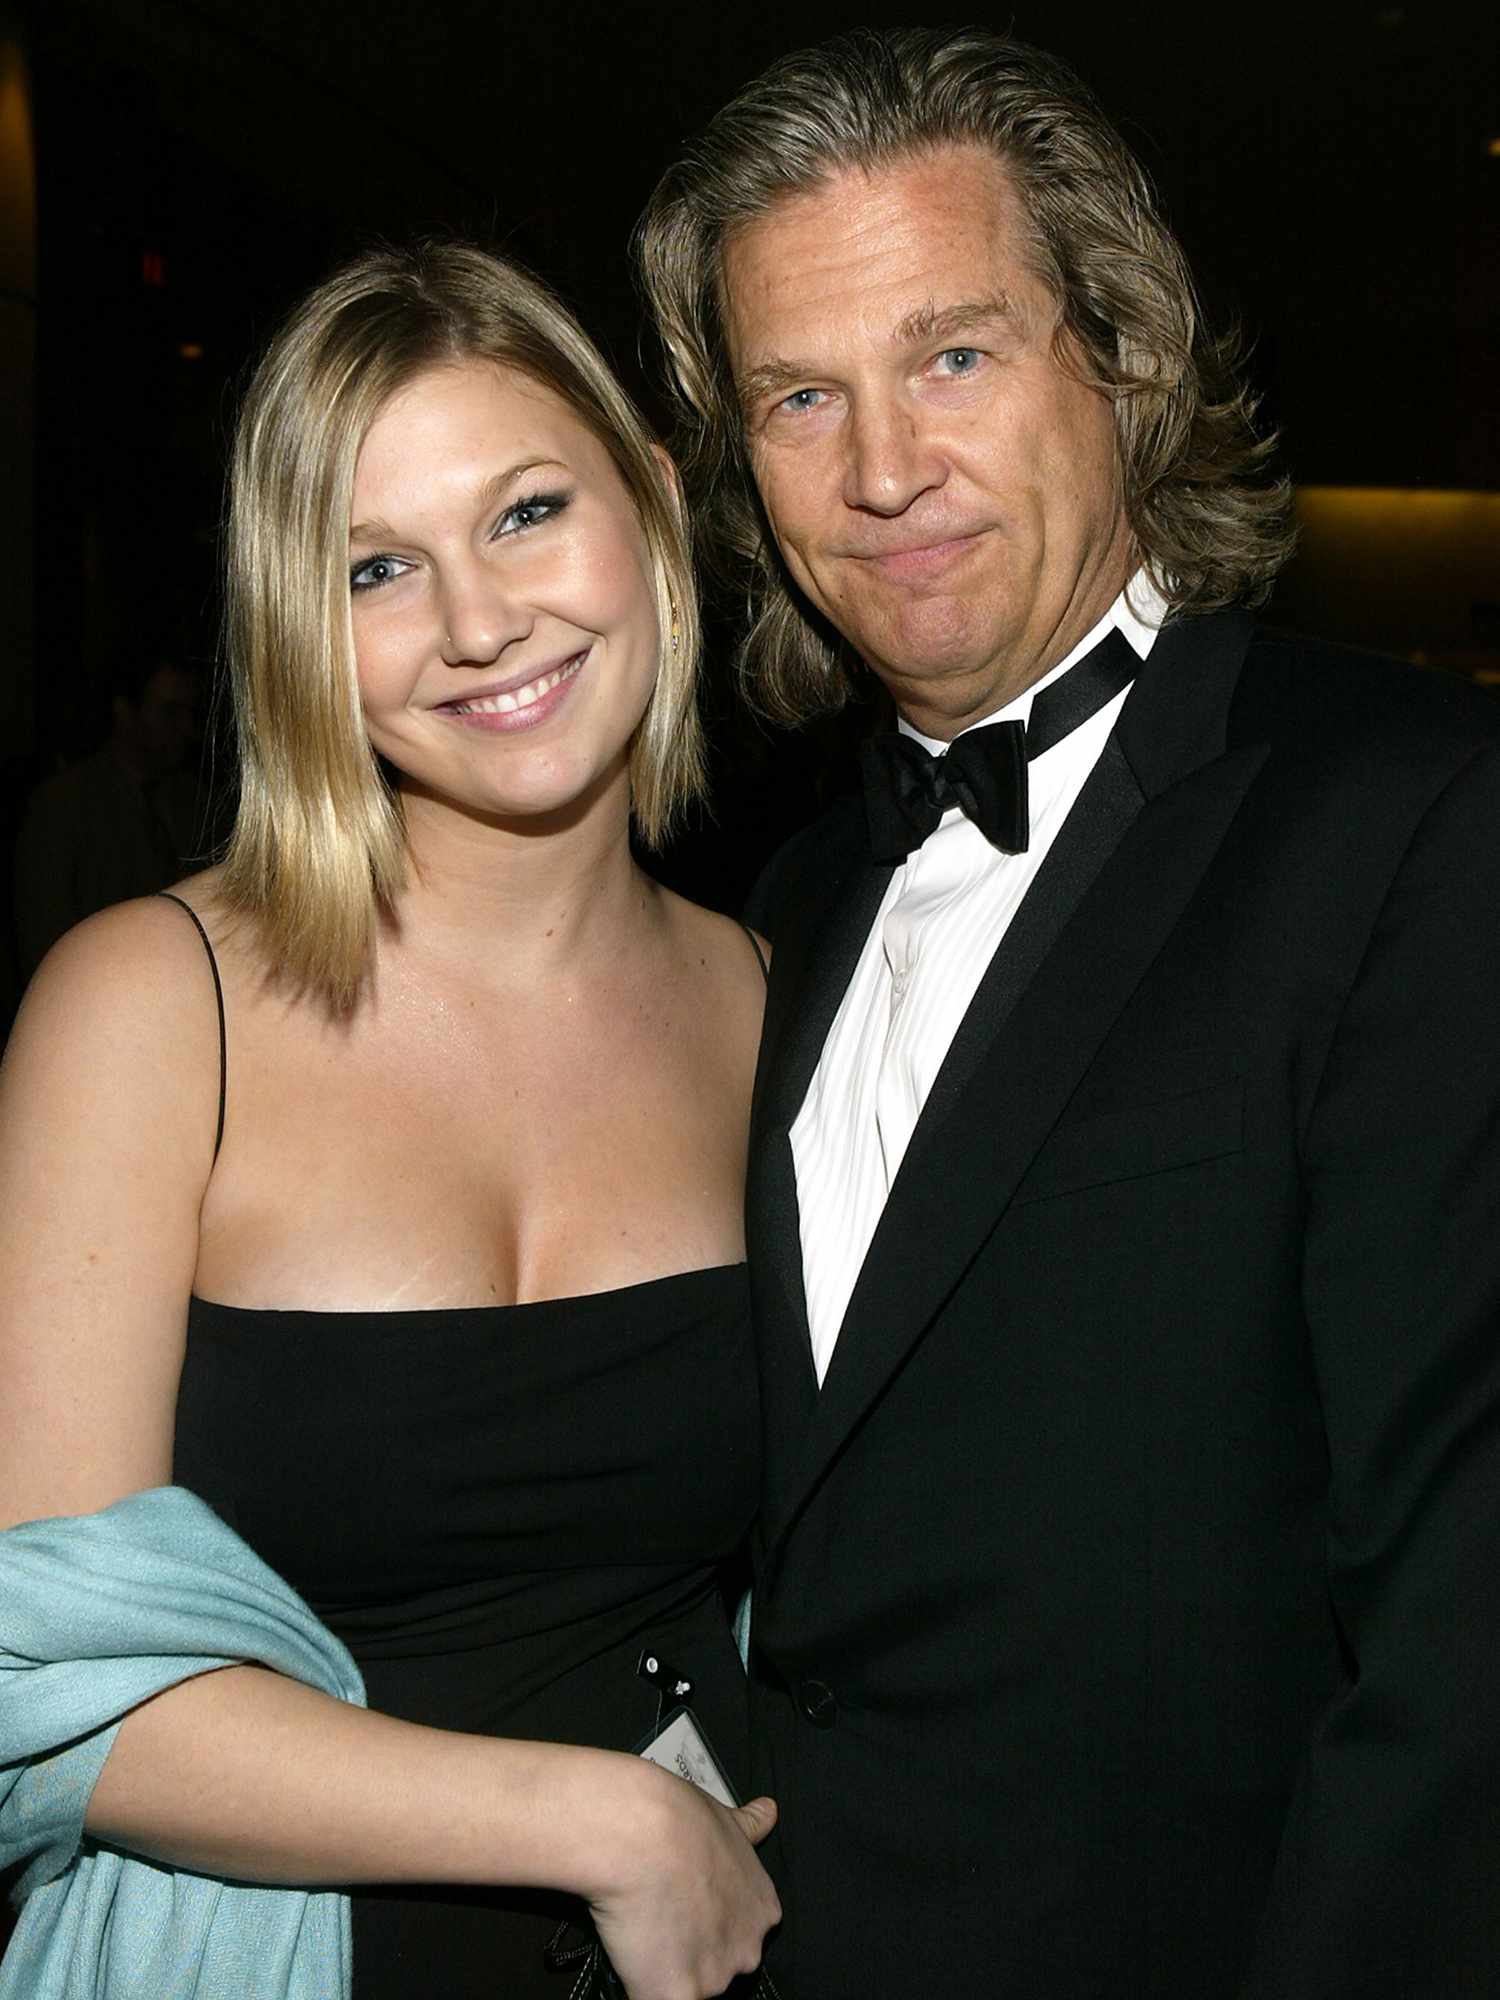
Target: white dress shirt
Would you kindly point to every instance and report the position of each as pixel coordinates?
(947, 907)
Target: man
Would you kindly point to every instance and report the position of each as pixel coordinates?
(1126, 1170)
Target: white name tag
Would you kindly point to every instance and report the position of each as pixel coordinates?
(680, 1746)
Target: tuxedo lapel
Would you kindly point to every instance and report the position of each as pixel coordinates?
(1147, 826)
(813, 963)
(814, 959)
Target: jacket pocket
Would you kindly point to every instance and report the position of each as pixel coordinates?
(1143, 1139)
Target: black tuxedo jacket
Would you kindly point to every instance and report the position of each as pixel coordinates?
(1127, 1614)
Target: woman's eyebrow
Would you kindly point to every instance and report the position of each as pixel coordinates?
(487, 494)
(494, 488)
(371, 531)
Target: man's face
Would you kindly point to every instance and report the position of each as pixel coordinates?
(941, 489)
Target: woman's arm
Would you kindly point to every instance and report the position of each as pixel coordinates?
(243, 1773)
(107, 1115)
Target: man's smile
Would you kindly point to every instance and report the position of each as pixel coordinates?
(918, 561)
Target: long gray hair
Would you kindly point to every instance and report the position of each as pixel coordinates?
(1207, 516)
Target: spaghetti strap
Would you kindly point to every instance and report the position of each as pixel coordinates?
(760, 957)
(213, 966)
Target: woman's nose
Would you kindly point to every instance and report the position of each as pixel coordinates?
(480, 619)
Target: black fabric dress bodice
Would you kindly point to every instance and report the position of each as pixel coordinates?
(496, 1510)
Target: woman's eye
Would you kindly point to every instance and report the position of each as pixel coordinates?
(376, 570)
(530, 512)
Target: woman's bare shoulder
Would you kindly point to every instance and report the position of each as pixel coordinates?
(107, 1123)
(121, 1014)
(134, 966)
(127, 957)
(725, 947)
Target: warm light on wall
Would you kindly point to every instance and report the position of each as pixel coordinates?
(17, 387)
(1402, 568)
(17, 173)
(1411, 511)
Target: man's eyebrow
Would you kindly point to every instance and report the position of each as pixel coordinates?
(771, 378)
(776, 377)
(931, 322)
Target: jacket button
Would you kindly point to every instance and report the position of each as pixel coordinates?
(818, 1703)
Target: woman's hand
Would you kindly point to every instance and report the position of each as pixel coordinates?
(691, 1906)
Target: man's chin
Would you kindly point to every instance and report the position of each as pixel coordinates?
(940, 675)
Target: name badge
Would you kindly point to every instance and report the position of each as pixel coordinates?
(677, 1742)
(681, 1746)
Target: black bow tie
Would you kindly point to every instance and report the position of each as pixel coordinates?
(907, 789)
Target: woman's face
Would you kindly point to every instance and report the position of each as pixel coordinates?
(505, 626)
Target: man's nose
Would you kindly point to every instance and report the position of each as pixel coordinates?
(481, 617)
(891, 460)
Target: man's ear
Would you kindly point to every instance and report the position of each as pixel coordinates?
(671, 477)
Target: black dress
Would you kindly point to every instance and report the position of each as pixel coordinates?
(496, 1510)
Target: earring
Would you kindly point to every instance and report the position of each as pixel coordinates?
(676, 633)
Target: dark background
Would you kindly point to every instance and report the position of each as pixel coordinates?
(1334, 171)
(177, 171)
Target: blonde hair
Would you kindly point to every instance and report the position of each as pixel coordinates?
(1205, 515)
(318, 847)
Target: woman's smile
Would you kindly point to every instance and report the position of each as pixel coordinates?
(518, 706)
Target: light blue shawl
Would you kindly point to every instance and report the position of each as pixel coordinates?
(97, 1613)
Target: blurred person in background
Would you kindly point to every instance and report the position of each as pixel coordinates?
(122, 822)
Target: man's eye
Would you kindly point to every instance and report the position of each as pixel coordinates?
(801, 400)
(959, 360)
(376, 570)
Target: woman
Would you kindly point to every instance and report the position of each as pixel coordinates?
(417, 1256)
